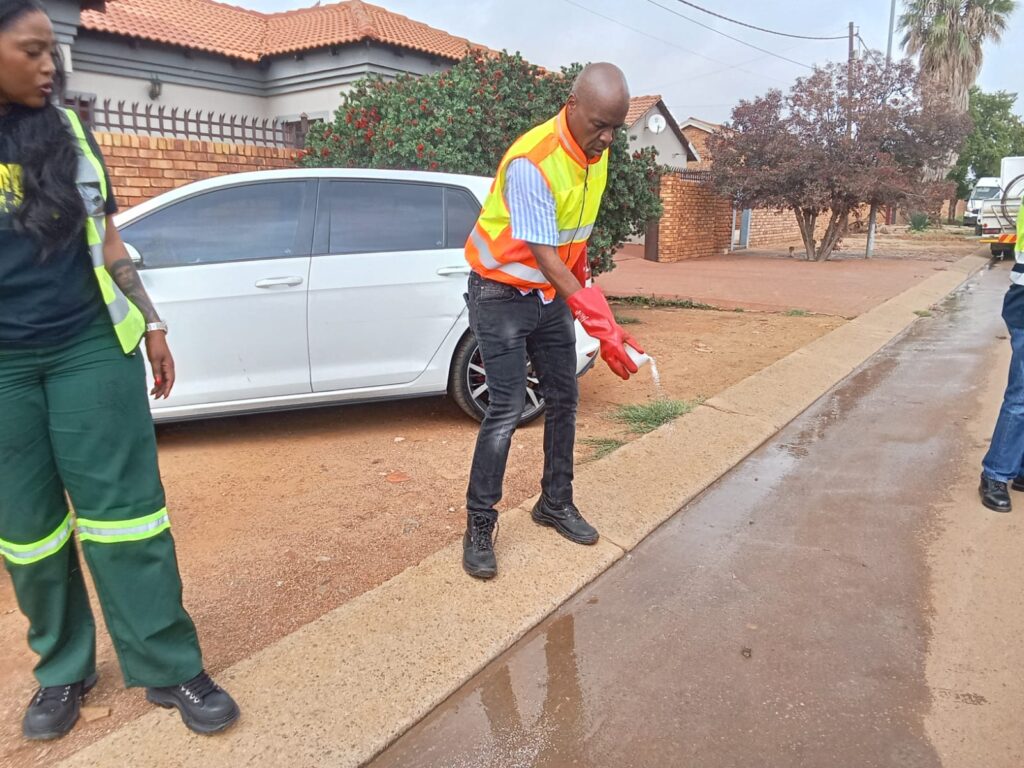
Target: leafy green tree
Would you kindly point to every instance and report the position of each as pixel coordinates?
(997, 133)
(949, 37)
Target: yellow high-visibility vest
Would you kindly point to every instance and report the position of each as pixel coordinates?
(129, 324)
(577, 184)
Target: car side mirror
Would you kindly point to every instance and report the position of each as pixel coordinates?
(133, 252)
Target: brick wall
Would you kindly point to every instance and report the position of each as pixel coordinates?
(142, 167)
(780, 228)
(696, 222)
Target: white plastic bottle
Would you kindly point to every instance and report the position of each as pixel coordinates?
(640, 359)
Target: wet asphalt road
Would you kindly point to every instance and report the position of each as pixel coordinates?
(781, 619)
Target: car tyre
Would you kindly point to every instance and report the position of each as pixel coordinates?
(467, 383)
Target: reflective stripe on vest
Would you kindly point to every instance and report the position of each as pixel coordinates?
(576, 183)
(129, 324)
(25, 554)
(108, 532)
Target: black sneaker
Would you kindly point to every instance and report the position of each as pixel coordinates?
(53, 711)
(994, 494)
(1018, 483)
(478, 548)
(567, 520)
(204, 706)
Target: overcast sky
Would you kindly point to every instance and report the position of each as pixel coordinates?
(697, 71)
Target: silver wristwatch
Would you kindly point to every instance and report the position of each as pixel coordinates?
(159, 325)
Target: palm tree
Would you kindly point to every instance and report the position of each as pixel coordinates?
(949, 36)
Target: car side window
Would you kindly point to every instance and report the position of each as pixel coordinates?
(374, 216)
(461, 210)
(243, 223)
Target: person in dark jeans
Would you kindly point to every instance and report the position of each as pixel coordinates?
(528, 254)
(1004, 462)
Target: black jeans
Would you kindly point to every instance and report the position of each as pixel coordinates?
(507, 325)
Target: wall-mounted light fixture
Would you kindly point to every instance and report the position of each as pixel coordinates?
(155, 86)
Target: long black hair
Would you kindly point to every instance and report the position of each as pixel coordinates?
(52, 211)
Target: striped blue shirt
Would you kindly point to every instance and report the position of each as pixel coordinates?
(530, 203)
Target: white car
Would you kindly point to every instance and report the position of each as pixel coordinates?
(306, 287)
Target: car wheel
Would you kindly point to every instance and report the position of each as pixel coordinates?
(467, 383)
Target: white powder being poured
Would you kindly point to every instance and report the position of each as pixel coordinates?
(656, 377)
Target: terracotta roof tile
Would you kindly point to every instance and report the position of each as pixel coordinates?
(214, 27)
(638, 107)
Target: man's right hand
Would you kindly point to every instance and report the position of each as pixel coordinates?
(590, 307)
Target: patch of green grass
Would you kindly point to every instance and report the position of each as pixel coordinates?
(923, 312)
(603, 446)
(798, 313)
(647, 417)
(655, 302)
(627, 320)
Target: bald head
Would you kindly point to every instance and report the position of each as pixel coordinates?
(602, 83)
(597, 106)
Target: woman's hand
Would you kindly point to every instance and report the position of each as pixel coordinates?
(161, 362)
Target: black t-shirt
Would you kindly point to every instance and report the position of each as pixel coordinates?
(42, 302)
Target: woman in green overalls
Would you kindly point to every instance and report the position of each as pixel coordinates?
(73, 412)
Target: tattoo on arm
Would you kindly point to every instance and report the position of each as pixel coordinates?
(127, 278)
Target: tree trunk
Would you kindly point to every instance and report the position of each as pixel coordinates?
(807, 220)
(836, 227)
(872, 220)
(953, 201)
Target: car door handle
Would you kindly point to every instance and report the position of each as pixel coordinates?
(279, 282)
(449, 271)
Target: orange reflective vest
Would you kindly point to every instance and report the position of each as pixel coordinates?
(577, 184)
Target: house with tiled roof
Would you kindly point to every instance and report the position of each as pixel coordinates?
(697, 133)
(651, 124)
(211, 56)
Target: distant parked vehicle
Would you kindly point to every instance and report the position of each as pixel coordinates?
(999, 215)
(986, 188)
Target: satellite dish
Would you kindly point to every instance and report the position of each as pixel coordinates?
(656, 123)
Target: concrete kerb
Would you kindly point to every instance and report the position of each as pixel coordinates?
(339, 690)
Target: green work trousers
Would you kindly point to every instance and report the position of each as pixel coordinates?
(74, 418)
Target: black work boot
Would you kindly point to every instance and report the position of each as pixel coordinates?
(994, 494)
(1018, 483)
(53, 711)
(478, 548)
(204, 706)
(565, 519)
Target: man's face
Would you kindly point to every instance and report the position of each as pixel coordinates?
(593, 122)
(26, 61)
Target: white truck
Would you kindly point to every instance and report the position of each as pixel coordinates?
(986, 188)
(998, 216)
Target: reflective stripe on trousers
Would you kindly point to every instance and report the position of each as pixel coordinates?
(25, 554)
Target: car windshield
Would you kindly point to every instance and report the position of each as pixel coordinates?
(985, 193)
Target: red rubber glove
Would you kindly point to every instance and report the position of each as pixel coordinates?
(590, 307)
